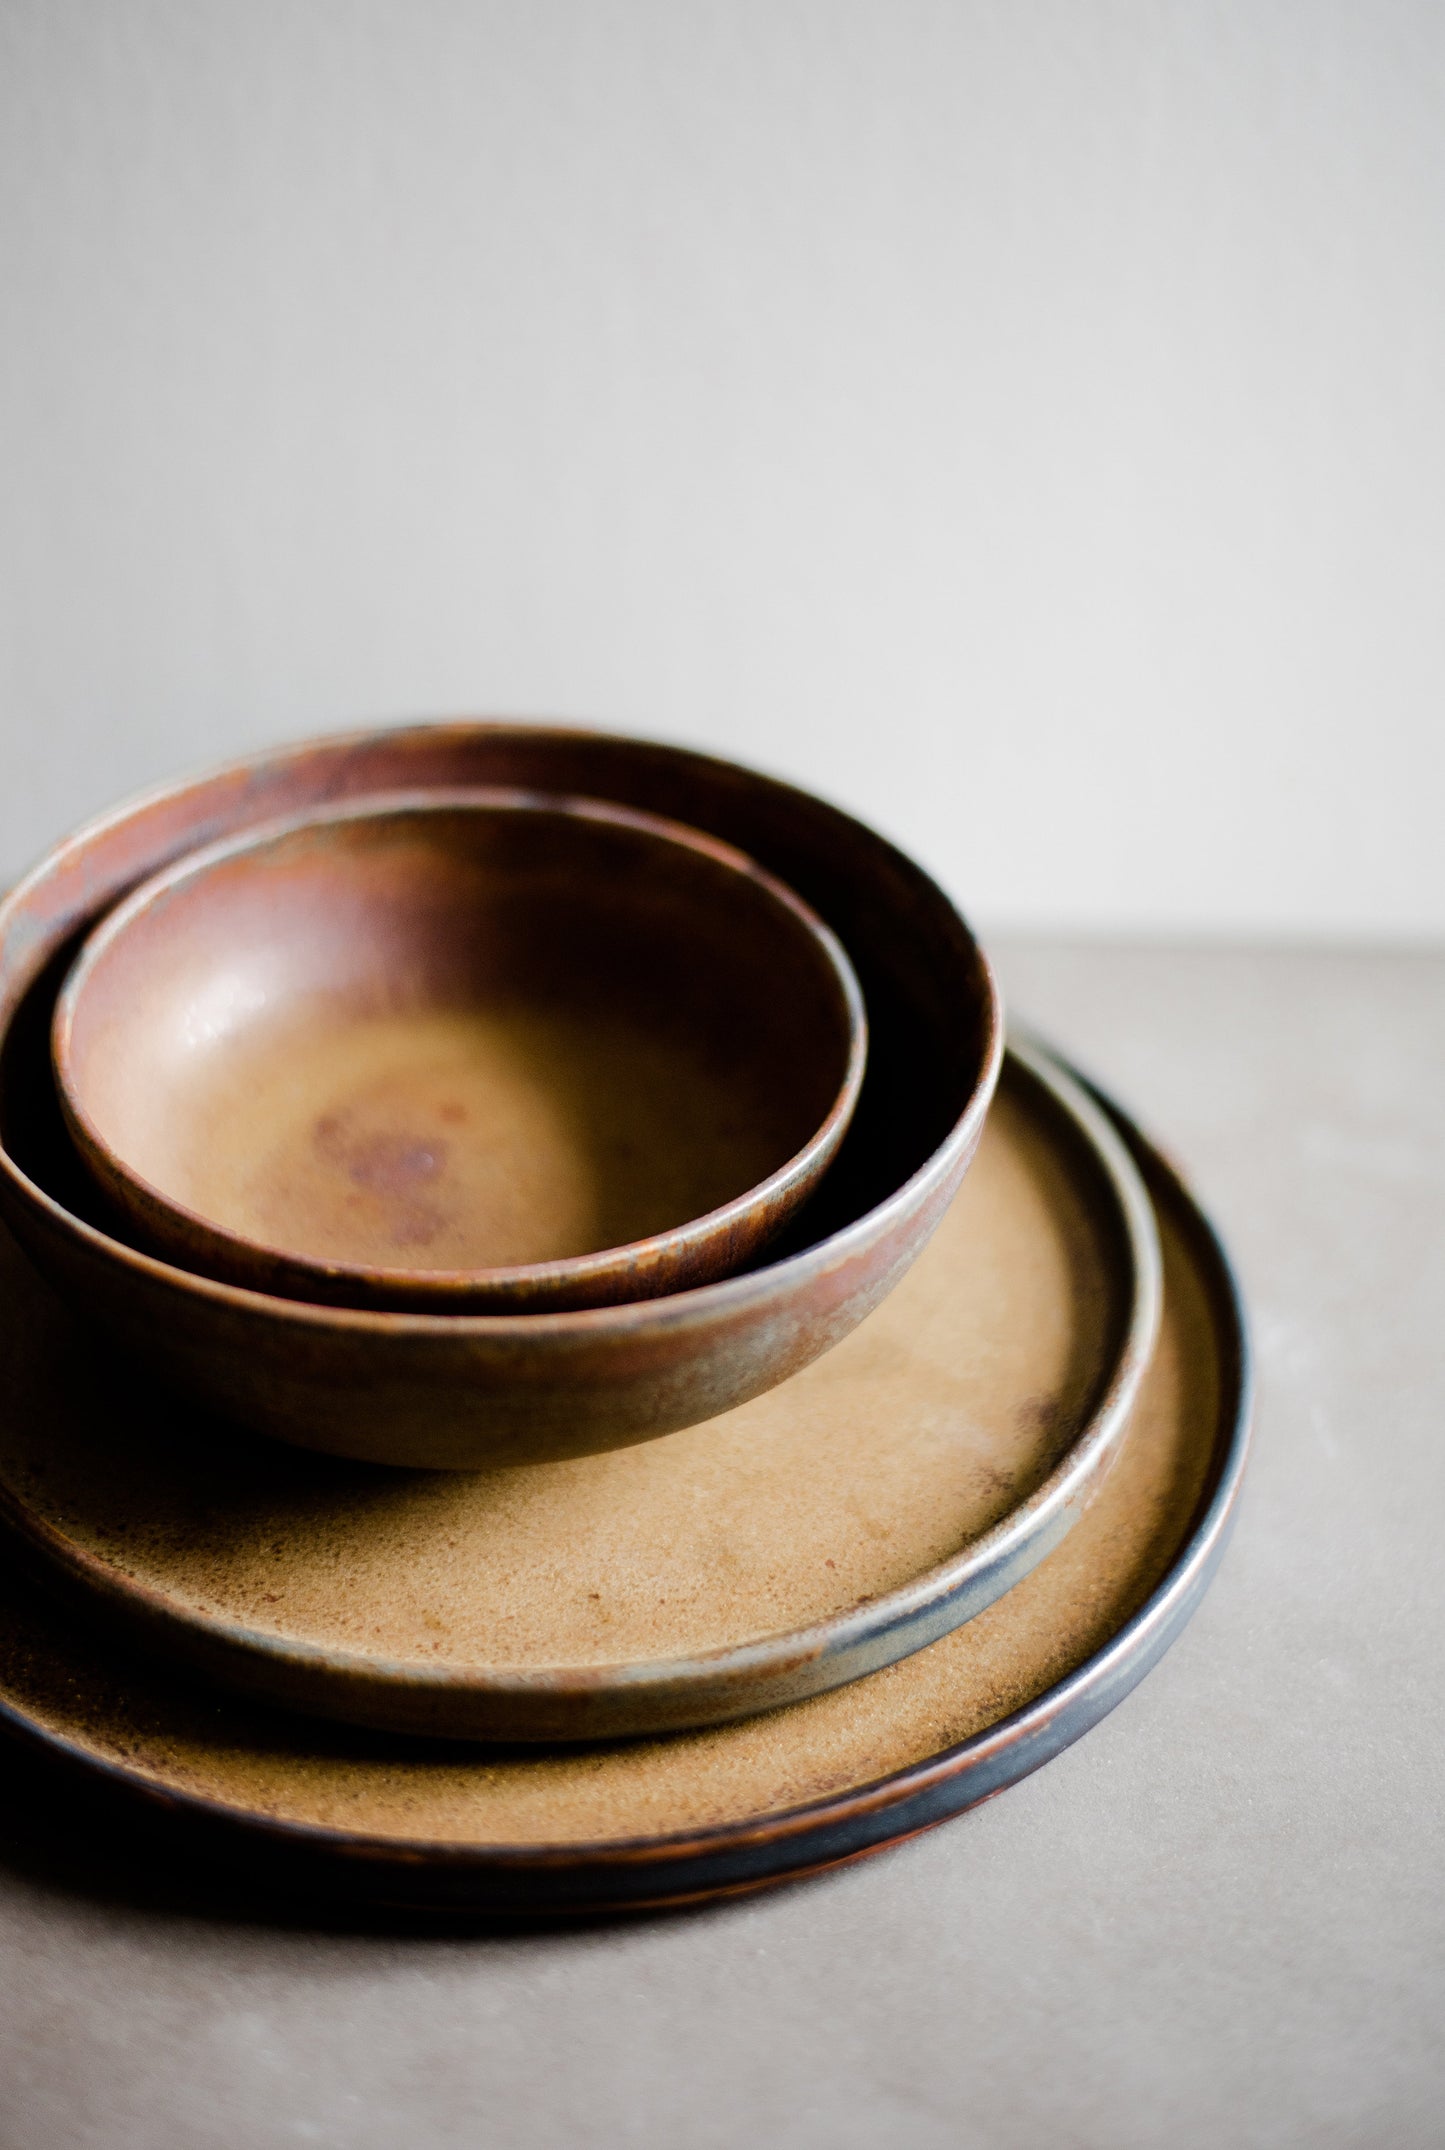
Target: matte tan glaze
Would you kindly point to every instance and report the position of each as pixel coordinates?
(524, 1604)
(165, 1733)
(473, 1390)
(465, 1051)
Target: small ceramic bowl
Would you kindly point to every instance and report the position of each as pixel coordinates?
(469, 1050)
(471, 1391)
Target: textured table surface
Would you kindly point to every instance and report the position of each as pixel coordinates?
(1220, 1919)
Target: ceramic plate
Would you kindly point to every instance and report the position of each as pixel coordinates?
(697, 1814)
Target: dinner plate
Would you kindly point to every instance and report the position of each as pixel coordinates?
(675, 1819)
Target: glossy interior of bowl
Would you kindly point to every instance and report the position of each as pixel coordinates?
(478, 1049)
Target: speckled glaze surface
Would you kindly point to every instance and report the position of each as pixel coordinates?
(700, 1814)
(468, 1050)
(479, 1390)
(856, 1513)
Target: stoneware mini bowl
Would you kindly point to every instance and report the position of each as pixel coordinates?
(467, 1050)
(482, 1390)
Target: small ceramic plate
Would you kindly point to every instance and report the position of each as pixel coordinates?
(705, 1813)
(857, 1513)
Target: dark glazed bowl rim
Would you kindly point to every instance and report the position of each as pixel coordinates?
(675, 1315)
(769, 1199)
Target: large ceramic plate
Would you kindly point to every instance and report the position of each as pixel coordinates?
(697, 1814)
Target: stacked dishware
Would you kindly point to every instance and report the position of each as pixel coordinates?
(553, 1357)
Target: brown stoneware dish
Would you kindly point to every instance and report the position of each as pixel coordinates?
(879, 1499)
(480, 1051)
(304, 1807)
(474, 1390)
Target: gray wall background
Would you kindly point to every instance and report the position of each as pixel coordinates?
(1023, 421)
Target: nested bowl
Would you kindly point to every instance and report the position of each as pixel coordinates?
(477, 1390)
(466, 1050)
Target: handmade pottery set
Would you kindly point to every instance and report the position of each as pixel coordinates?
(551, 1356)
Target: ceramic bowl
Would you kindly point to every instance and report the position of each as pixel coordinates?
(466, 1050)
(476, 1390)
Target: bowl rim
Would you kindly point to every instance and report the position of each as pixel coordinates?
(796, 1176)
(703, 1304)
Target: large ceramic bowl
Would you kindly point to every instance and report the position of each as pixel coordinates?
(467, 1391)
(467, 1051)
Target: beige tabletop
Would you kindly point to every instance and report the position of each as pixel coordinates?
(1219, 1920)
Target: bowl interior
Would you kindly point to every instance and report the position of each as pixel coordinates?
(456, 1036)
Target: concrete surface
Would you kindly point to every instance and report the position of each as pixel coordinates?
(1218, 1920)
